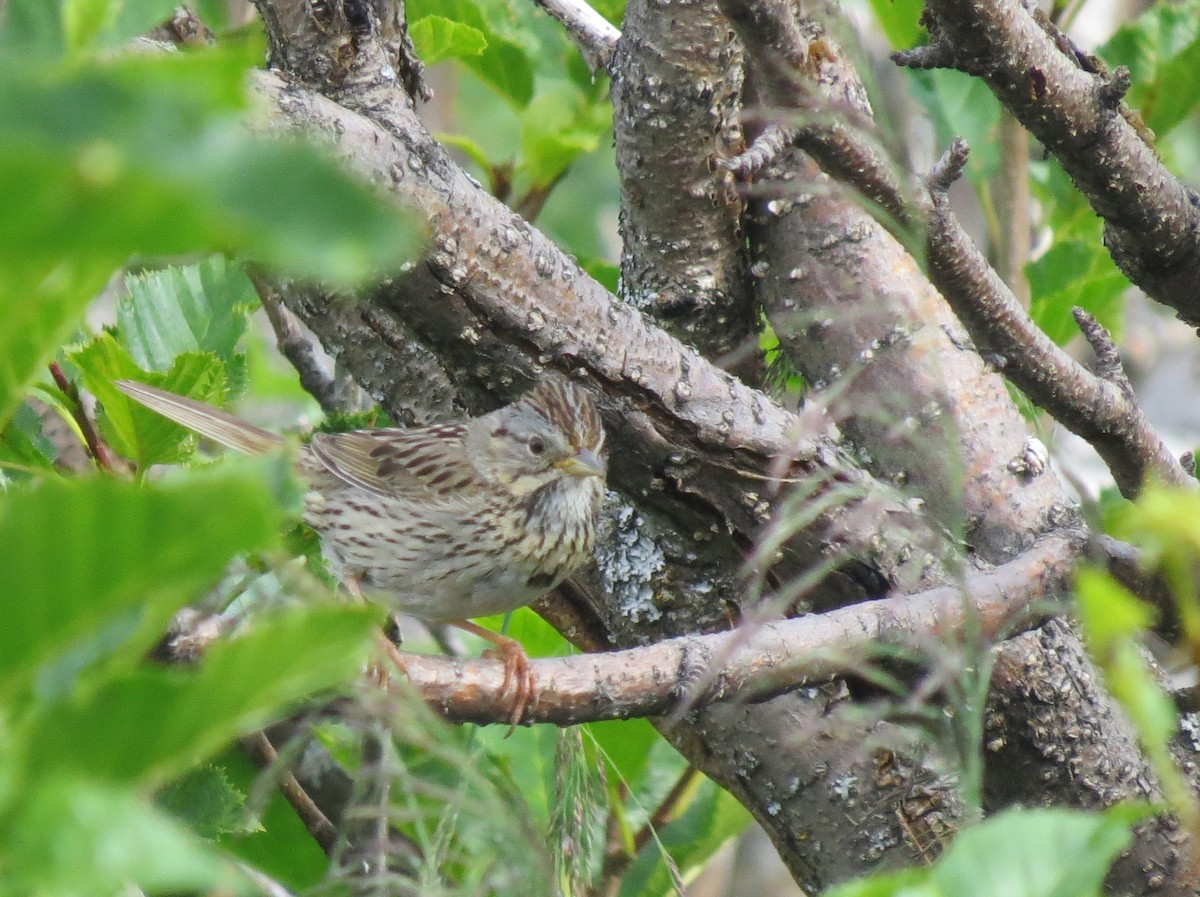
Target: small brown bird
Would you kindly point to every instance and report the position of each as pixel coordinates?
(449, 521)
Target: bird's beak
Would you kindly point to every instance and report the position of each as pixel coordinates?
(583, 463)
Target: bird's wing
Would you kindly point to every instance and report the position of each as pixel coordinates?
(421, 462)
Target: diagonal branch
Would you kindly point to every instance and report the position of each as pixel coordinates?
(1069, 103)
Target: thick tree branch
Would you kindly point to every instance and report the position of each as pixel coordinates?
(499, 301)
(1066, 100)
(682, 258)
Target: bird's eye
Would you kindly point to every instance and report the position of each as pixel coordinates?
(536, 445)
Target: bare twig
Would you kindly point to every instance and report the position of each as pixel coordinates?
(297, 348)
(1098, 410)
(315, 821)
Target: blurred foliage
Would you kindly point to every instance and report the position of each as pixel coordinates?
(1016, 853)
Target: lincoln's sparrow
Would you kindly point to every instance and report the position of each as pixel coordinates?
(449, 521)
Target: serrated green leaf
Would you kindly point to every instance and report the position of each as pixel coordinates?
(437, 38)
(143, 436)
(280, 847)
(200, 308)
(504, 64)
(207, 802)
(86, 553)
(180, 717)
(79, 838)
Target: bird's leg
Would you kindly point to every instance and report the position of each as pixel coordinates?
(518, 674)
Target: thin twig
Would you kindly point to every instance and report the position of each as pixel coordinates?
(665, 810)
(296, 347)
(316, 822)
(766, 147)
(105, 457)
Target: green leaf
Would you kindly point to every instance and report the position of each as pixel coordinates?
(1017, 853)
(94, 24)
(180, 717)
(437, 38)
(36, 314)
(280, 846)
(207, 802)
(144, 436)
(1031, 853)
(626, 746)
(507, 68)
(84, 553)
(503, 63)
(555, 130)
(900, 21)
(1075, 273)
(1108, 611)
(712, 816)
(1161, 48)
(150, 155)
(32, 26)
(200, 308)
(79, 838)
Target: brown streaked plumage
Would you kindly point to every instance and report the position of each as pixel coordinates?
(449, 521)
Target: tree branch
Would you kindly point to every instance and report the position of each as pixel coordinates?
(755, 662)
(1069, 103)
(593, 34)
(1096, 409)
(681, 258)
(999, 326)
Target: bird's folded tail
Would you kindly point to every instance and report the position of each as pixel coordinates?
(217, 425)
